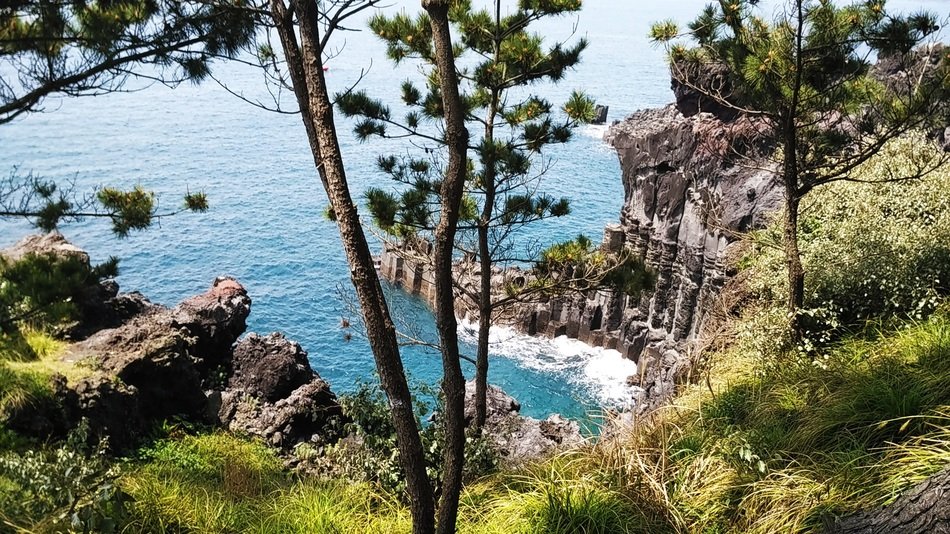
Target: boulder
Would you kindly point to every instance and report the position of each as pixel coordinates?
(692, 85)
(111, 408)
(275, 394)
(600, 114)
(310, 414)
(213, 320)
(498, 404)
(168, 355)
(51, 243)
(269, 367)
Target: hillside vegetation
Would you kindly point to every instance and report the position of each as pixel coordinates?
(773, 436)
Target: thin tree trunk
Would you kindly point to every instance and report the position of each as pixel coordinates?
(453, 383)
(485, 306)
(484, 325)
(793, 259)
(306, 70)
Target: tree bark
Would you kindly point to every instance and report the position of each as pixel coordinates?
(484, 328)
(485, 305)
(925, 508)
(793, 259)
(306, 70)
(453, 383)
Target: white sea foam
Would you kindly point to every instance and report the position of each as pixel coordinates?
(602, 373)
(596, 131)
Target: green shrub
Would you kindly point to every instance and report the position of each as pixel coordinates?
(67, 487)
(45, 289)
(238, 467)
(869, 249)
(20, 389)
(202, 483)
(375, 458)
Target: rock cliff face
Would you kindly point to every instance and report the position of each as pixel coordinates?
(690, 190)
(692, 185)
(689, 193)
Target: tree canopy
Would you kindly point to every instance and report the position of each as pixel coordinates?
(809, 77)
(83, 47)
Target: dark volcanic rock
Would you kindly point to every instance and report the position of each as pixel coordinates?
(112, 409)
(167, 354)
(273, 393)
(693, 84)
(161, 357)
(214, 319)
(518, 438)
(269, 367)
(153, 363)
(305, 416)
(498, 404)
(49, 416)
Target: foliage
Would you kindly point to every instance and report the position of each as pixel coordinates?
(47, 289)
(206, 483)
(47, 204)
(806, 77)
(20, 389)
(588, 268)
(66, 487)
(86, 47)
(502, 190)
(376, 460)
(872, 250)
(28, 361)
(222, 483)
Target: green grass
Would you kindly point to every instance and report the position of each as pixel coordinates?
(27, 363)
(762, 446)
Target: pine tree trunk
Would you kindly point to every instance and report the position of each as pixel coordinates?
(793, 258)
(305, 66)
(926, 508)
(453, 383)
(793, 261)
(484, 327)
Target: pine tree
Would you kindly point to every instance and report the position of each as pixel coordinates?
(501, 189)
(88, 47)
(303, 61)
(807, 77)
(46, 205)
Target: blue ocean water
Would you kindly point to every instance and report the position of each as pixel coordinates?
(266, 227)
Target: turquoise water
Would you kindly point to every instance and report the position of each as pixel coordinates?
(266, 228)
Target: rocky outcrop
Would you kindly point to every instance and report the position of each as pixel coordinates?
(100, 305)
(269, 367)
(518, 438)
(153, 363)
(273, 393)
(39, 244)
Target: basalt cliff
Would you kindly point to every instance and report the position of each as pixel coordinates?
(691, 188)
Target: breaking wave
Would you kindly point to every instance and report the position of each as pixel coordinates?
(600, 373)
